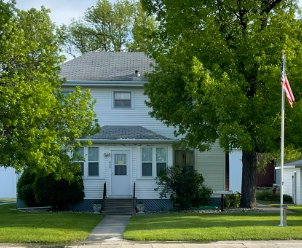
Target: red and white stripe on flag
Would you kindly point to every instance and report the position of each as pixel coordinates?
(288, 90)
(286, 85)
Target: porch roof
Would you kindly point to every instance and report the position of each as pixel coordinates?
(128, 134)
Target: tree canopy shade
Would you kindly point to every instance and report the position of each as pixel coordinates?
(217, 75)
(108, 27)
(38, 125)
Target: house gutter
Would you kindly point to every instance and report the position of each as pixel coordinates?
(128, 141)
(93, 83)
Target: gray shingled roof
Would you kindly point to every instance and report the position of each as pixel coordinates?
(107, 66)
(127, 132)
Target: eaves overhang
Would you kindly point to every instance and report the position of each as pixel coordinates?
(88, 83)
(129, 141)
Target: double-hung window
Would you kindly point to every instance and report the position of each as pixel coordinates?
(93, 161)
(79, 159)
(161, 160)
(154, 160)
(88, 158)
(185, 159)
(147, 161)
(122, 99)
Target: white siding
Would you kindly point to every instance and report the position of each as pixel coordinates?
(287, 187)
(94, 188)
(211, 165)
(136, 116)
(235, 170)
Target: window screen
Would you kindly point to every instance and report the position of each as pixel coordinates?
(122, 99)
(120, 164)
(161, 159)
(147, 161)
(93, 161)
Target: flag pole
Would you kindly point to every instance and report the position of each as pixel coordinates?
(282, 145)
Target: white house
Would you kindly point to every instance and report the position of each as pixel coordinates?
(292, 178)
(132, 147)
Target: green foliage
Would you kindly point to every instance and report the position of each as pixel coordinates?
(38, 125)
(232, 200)
(185, 188)
(217, 74)
(37, 189)
(108, 27)
(268, 195)
(25, 188)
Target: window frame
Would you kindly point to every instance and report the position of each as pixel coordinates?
(86, 162)
(153, 162)
(185, 153)
(122, 107)
(93, 161)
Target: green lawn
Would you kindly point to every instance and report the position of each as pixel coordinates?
(47, 227)
(2, 200)
(213, 227)
(294, 208)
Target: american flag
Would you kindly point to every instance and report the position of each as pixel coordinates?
(285, 84)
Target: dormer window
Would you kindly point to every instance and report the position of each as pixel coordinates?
(122, 99)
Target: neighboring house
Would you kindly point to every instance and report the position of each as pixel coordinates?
(235, 170)
(292, 178)
(263, 179)
(132, 147)
(8, 179)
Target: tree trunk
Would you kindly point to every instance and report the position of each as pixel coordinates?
(248, 187)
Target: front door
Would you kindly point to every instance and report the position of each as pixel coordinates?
(120, 173)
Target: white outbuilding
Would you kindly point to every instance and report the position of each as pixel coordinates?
(292, 180)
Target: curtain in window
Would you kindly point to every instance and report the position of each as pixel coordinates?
(93, 154)
(161, 154)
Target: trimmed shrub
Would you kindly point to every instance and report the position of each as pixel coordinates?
(45, 190)
(25, 188)
(184, 187)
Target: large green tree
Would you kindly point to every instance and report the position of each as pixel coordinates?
(108, 27)
(39, 126)
(217, 75)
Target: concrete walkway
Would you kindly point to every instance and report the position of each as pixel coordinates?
(110, 228)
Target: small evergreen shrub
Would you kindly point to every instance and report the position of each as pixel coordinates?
(184, 187)
(25, 188)
(45, 190)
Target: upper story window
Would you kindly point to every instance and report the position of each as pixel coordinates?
(122, 99)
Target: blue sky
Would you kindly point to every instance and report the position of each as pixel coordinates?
(63, 10)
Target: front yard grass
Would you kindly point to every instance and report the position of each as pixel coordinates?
(3, 200)
(46, 227)
(213, 227)
(294, 208)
